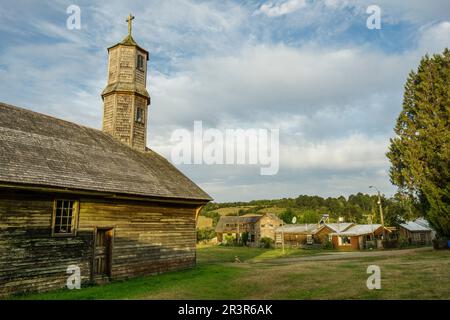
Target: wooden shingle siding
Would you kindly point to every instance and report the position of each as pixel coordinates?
(148, 238)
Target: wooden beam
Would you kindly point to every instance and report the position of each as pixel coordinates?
(105, 195)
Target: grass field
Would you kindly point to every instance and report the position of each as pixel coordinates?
(267, 274)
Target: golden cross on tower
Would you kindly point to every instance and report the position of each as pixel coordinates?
(130, 18)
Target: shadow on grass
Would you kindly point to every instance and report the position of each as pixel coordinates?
(195, 283)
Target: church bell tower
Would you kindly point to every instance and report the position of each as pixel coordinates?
(125, 98)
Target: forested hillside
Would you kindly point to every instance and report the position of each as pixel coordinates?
(358, 208)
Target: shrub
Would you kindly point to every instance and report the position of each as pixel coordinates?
(229, 240)
(440, 243)
(371, 245)
(266, 242)
(244, 238)
(390, 244)
(205, 234)
(402, 242)
(327, 244)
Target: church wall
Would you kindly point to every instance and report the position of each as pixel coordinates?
(148, 238)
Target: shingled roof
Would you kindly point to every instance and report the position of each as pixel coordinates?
(40, 150)
(247, 219)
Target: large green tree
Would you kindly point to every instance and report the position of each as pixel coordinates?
(420, 153)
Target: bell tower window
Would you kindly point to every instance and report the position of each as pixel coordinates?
(140, 62)
(139, 115)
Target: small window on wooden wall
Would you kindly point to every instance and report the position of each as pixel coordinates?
(65, 214)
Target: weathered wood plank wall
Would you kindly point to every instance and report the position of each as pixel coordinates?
(149, 238)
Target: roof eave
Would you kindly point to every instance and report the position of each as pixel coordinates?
(104, 194)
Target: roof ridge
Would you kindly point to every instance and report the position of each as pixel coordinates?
(48, 116)
(72, 123)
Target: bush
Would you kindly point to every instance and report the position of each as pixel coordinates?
(390, 244)
(266, 242)
(205, 234)
(229, 240)
(440, 243)
(371, 245)
(327, 244)
(244, 238)
(402, 242)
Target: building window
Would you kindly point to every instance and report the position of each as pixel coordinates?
(139, 115)
(140, 62)
(344, 241)
(65, 213)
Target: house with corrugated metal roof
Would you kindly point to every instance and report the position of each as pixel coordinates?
(416, 232)
(296, 235)
(360, 236)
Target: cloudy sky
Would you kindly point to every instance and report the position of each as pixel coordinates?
(310, 68)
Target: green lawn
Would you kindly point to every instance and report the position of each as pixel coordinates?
(263, 275)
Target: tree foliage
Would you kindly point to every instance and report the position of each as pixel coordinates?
(420, 152)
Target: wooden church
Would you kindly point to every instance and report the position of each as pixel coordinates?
(99, 200)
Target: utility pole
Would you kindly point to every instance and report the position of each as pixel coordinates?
(381, 210)
(238, 223)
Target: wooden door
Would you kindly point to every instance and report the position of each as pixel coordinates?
(102, 255)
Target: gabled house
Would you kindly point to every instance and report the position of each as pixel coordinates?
(307, 234)
(257, 226)
(416, 232)
(360, 236)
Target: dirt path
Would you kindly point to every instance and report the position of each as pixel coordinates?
(344, 255)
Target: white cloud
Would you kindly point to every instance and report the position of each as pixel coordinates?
(435, 38)
(352, 152)
(276, 79)
(276, 10)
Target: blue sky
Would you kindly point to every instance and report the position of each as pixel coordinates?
(310, 68)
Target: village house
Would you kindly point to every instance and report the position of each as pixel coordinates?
(360, 236)
(416, 232)
(256, 226)
(99, 200)
(296, 235)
